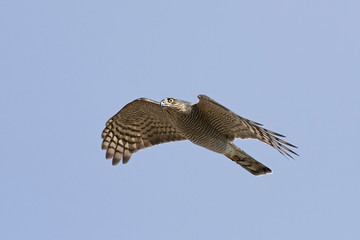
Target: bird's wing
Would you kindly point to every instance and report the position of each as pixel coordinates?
(234, 126)
(140, 124)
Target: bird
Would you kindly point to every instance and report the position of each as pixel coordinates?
(144, 123)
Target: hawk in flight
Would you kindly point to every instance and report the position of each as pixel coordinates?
(144, 123)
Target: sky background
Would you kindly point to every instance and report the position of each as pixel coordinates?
(67, 66)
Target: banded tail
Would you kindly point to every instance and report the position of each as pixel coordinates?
(249, 163)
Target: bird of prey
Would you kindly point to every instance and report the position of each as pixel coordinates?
(144, 123)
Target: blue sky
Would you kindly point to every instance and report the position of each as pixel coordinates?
(68, 66)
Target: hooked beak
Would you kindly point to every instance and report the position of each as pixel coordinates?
(163, 103)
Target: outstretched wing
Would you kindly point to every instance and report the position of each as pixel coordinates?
(140, 124)
(234, 126)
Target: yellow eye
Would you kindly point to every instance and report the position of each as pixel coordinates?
(170, 100)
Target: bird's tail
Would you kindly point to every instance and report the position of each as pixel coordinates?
(247, 162)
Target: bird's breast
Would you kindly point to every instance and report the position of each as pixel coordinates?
(199, 130)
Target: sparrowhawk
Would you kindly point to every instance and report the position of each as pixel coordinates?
(144, 123)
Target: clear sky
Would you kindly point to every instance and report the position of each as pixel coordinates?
(68, 66)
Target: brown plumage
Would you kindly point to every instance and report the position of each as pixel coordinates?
(144, 123)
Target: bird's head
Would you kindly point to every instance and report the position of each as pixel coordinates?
(176, 104)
